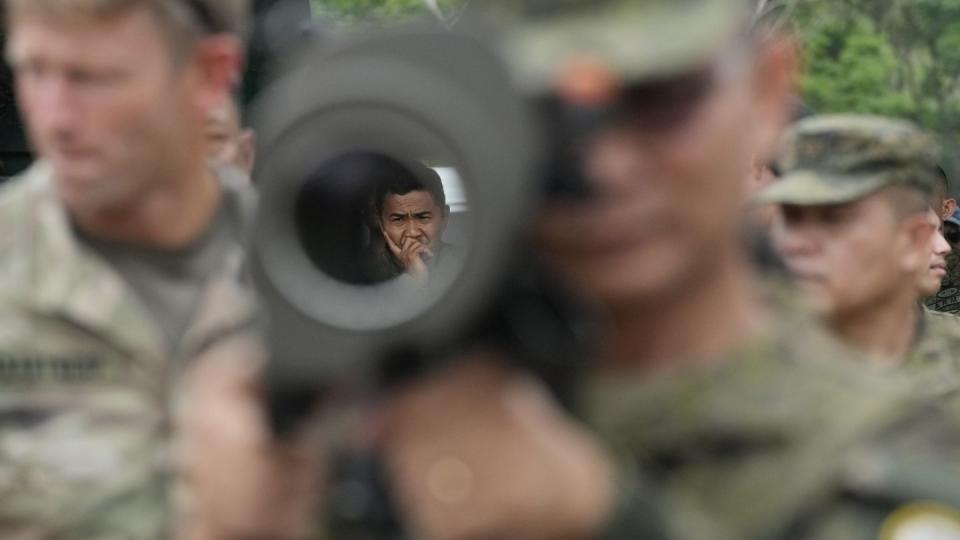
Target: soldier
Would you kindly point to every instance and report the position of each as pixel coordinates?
(858, 237)
(121, 256)
(714, 410)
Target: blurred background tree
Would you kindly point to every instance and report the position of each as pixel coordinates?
(890, 57)
(352, 11)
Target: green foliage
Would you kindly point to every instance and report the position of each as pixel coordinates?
(890, 57)
(377, 11)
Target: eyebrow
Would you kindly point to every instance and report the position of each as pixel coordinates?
(416, 214)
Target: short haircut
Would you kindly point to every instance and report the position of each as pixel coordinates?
(908, 201)
(941, 190)
(184, 21)
(398, 178)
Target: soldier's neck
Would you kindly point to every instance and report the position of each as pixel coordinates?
(169, 216)
(700, 325)
(885, 332)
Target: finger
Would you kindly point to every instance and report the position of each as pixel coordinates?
(411, 242)
(409, 255)
(394, 248)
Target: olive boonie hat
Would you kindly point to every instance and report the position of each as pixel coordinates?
(842, 158)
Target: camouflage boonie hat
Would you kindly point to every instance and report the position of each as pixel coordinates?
(843, 158)
(637, 39)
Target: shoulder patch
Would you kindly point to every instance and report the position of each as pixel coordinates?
(922, 521)
(38, 368)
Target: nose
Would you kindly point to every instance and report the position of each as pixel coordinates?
(940, 245)
(412, 229)
(793, 239)
(615, 162)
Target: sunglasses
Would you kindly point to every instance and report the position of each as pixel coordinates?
(664, 104)
(952, 236)
(668, 103)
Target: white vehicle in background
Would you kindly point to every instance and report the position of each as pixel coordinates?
(457, 201)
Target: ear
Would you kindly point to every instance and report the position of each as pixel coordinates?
(219, 63)
(775, 80)
(949, 207)
(247, 150)
(918, 243)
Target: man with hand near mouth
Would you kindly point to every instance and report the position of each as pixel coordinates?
(413, 213)
(859, 234)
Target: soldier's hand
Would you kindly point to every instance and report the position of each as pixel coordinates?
(480, 451)
(413, 255)
(239, 481)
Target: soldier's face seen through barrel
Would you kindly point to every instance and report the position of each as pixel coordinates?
(367, 218)
(101, 97)
(667, 193)
(413, 223)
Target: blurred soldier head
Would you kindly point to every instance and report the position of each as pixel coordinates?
(116, 93)
(228, 142)
(696, 92)
(856, 196)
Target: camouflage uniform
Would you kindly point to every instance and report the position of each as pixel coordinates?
(788, 437)
(793, 436)
(765, 444)
(780, 439)
(843, 158)
(86, 385)
(935, 356)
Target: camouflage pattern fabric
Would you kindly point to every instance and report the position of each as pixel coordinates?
(842, 158)
(87, 391)
(934, 360)
(780, 440)
(948, 299)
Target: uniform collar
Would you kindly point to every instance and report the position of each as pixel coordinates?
(60, 277)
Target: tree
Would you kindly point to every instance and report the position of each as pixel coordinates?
(353, 11)
(891, 57)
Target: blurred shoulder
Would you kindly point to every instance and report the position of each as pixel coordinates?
(20, 195)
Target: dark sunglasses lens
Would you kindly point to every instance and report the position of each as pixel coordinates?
(670, 102)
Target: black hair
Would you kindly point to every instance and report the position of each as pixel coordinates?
(396, 178)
